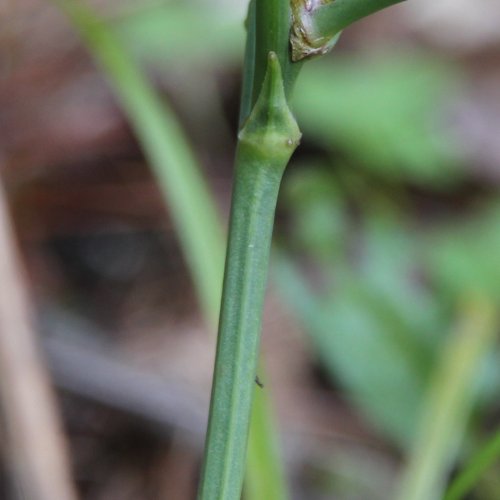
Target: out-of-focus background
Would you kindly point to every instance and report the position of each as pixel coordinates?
(386, 257)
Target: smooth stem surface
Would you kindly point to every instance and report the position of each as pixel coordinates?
(255, 193)
(330, 18)
(264, 148)
(479, 463)
(317, 24)
(273, 21)
(246, 100)
(268, 30)
(268, 27)
(446, 407)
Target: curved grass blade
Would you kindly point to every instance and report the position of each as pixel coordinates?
(479, 463)
(448, 403)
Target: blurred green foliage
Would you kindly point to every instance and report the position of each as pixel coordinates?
(385, 110)
(466, 253)
(382, 302)
(376, 328)
(391, 284)
(165, 32)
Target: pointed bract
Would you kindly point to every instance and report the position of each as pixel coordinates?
(271, 126)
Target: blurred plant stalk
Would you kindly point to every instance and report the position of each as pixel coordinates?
(447, 405)
(477, 466)
(34, 443)
(169, 153)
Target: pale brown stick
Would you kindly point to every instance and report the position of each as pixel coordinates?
(34, 444)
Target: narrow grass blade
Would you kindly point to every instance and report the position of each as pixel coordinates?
(265, 471)
(176, 169)
(479, 463)
(446, 409)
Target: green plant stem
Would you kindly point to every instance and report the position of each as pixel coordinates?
(235, 365)
(316, 23)
(259, 169)
(479, 463)
(268, 27)
(331, 18)
(448, 402)
(268, 30)
(265, 145)
(189, 200)
(273, 19)
(246, 100)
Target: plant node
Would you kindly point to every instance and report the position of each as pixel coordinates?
(303, 42)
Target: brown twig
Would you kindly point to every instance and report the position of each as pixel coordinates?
(33, 440)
